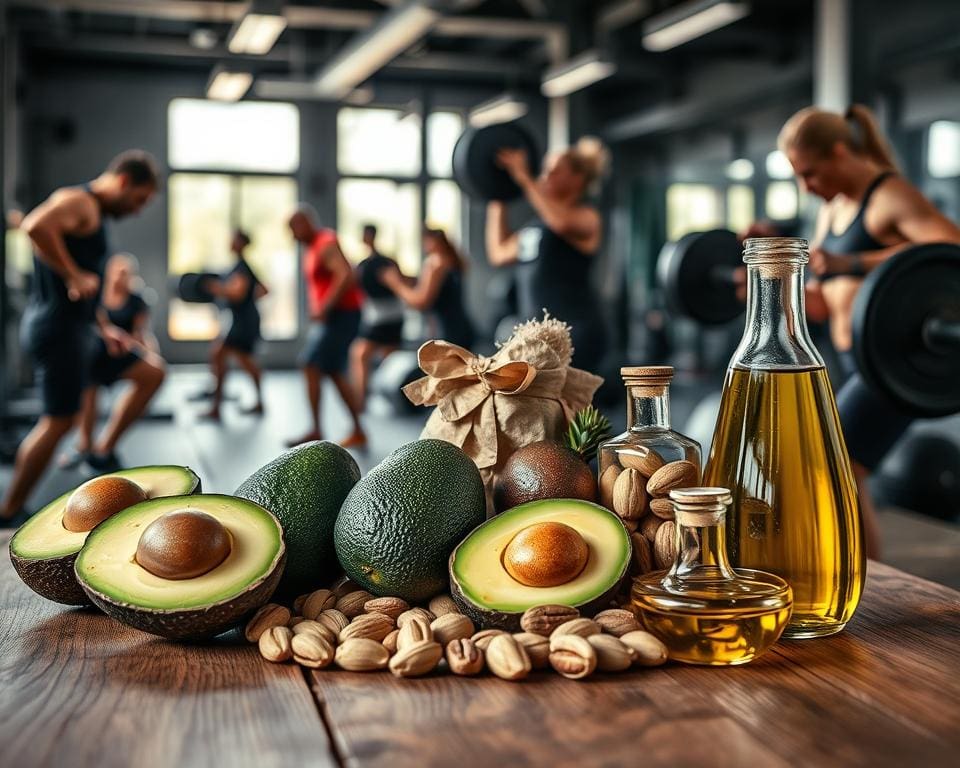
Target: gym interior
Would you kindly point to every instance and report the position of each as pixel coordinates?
(357, 114)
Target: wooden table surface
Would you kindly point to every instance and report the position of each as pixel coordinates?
(77, 689)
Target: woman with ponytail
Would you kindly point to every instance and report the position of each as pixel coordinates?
(870, 213)
(555, 251)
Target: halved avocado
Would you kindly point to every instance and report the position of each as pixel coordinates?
(201, 606)
(486, 591)
(43, 550)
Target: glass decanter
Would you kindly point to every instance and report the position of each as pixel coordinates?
(702, 609)
(779, 448)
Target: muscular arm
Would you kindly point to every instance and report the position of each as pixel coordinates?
(502, 245)
(580, 224)
(341, 276)
(424, 293)
(235, 288)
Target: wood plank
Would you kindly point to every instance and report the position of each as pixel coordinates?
(883, 693)
(78, 689)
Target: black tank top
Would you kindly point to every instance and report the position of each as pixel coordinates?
(125, 315)
(552, 274)
(449, 311)
(50, 292)
(855, 238)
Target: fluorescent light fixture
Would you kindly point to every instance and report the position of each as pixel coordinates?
(740, 169)
(306, 90)
(689, 21)
(778, 165)
(360, 97)
(399, 28)
(502, 109)
(225, 85)
(576, 74)
(258, 29)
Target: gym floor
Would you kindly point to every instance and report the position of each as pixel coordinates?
(225, 454)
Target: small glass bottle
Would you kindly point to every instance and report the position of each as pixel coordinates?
(703, 610)
(779, 448)
(646, 447)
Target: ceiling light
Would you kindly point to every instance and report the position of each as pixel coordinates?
(203, 38)
(225, 85)
(778, 165)
(502, 109)
(258, 29)
(740, 169)
(689, 21)
(399, 28)
(576, 74)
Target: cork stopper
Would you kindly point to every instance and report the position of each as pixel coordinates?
(700, 506)
(647, 379)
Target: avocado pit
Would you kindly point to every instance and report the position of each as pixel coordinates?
(97, 499)
(183, 544)
(546, 554)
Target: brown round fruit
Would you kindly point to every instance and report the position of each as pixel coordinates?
(546, 555)
(97, 499)
(543, 470)
(183, 544)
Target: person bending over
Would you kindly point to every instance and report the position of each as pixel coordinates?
(60, 325)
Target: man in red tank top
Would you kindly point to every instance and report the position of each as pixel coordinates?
(334, 300)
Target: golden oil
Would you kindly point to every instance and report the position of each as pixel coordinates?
(779, 449)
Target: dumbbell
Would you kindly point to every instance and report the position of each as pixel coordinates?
(191, 287)
(697, 273)
(474, 160)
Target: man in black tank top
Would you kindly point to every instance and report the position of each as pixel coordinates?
(69, 236)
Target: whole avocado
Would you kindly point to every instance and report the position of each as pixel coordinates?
(305, 487)
(399, 524)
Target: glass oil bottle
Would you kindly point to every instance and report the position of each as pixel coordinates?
(703, 610)
(779, 448)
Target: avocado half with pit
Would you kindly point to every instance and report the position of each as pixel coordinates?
(43, 549)
(183, 567)
(556, 551)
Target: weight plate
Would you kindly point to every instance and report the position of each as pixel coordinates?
(894, 304)
(696, 273)
(474, 166)
(190, 287)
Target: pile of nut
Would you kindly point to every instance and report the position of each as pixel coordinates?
(355, 631)
(637, 491)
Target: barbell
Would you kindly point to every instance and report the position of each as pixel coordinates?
(906, 317)
(474, 160)
(192, 287)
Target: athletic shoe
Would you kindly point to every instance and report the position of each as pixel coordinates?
(102, 463)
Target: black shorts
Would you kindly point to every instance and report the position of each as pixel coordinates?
(328, 343)
(871, 423)
(61, 350)
(243, 335)
(388, 334)
(105, 369)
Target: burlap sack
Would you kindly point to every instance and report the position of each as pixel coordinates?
(490, 406)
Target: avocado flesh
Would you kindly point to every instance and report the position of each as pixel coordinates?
(205, 605)
(486, 591)
(43, 551)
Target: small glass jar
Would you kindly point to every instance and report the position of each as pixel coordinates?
(703, 610)
(648, 451)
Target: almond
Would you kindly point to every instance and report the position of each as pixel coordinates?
(317, 602)
(389, 606)
(662, 508)
(359, 654)
(451, 626)
(298, 603)
(630, 525)
(333, 620)
(442, 605)
(608, 479)
(649, 526)
(417, 659)
(274, 644)
(312, 650)
(641, 553)
(645, 460)
(268, 616)
(543, 619)
(308, 625)
(582, 627)
(507, 659)
(390, 642)
(572, 656)
(537, 648)
(414, 613)
(676, 474)
(351, 604)
(665, 545)
(630, 495)
(612, 655)
(369, 626)
(617, 621)
(344, 586)
(416, 630)
(648, 650)
(463, 657)
(484, 636)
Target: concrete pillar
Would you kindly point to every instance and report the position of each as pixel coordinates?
(843, 65)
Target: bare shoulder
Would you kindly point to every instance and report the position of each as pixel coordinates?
(897, 191)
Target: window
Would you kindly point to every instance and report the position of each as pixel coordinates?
(740, 207)
(778, 165)
(782, 201)
(245, 136)
(205, 206)
(383, 180)
(943, 149)
(693, 208)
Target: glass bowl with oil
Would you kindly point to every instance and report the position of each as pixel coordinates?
(702, 609)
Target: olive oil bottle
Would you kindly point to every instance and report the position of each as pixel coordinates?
(779, 448)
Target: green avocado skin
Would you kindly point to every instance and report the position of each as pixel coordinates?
(399, 524)
(304, 488)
